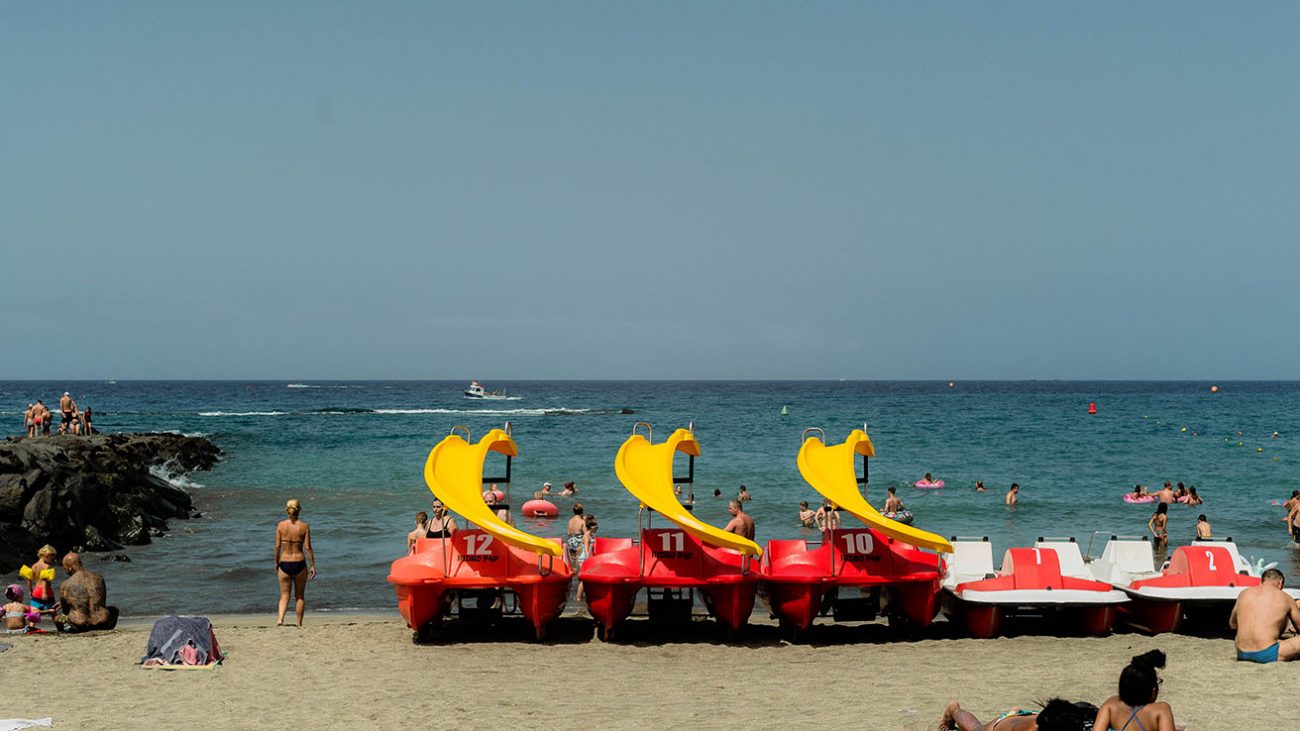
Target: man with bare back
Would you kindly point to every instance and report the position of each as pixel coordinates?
(1260, 617)
(83, 598)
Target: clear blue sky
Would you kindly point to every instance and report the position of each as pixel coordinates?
(651, 190)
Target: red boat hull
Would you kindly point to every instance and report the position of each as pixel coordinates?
(668, 558)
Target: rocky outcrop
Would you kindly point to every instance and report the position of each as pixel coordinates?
(93, 493)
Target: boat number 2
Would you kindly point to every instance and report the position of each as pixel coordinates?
(858, 543)
(1210, 556)
(673, 541)
(1038, 556)
(478, 544)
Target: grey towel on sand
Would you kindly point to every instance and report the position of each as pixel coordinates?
(172, 635)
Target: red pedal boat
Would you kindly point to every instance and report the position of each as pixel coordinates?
(671, 564)
(480, 572)
(1198, 585)
(1049, 578)
(859, 572)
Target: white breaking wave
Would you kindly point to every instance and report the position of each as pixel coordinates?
(516, 412)
(300, 385)
(181, 481)
(243, 413)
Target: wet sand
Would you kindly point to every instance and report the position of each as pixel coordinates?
(361, 671)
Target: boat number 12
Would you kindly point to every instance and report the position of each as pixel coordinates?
(478, 544)
(673, 541)
(858, 543)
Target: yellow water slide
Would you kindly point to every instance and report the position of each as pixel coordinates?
(454, 474)
(646, 470)
(830, 470)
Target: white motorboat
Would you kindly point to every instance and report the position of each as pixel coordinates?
(476, 390)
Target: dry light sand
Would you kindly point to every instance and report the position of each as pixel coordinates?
(363, 672)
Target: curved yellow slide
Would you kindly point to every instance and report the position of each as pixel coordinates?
(830, 471)
(454, 474)
(646, 470)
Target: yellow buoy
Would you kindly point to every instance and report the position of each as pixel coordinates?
(1238, 444)
(1184, 428)
(1259, 449)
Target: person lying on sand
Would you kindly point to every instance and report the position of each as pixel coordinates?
(1260, 617)
(83, 598)
(1056, 715)
(1136, 708)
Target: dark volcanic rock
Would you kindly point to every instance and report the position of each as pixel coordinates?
(95, 493)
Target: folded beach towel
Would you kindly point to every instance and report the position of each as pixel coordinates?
(16, 724)
(182, 641)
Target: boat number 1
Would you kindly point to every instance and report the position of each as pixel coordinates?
(478, 544)
(858, 543)
(1210, 555)
(673, 541)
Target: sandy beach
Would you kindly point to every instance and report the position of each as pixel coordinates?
(361, 671)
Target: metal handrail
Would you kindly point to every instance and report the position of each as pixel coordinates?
(803, 437)
(650, 430)
(468, 437)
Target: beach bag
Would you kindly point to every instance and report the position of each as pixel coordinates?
(182, 641)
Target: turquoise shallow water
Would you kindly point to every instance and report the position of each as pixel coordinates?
(354, 451)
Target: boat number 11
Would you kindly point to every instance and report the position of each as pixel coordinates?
(858, 543)
(673, 541)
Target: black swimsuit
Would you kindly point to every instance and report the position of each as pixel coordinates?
(292, 568)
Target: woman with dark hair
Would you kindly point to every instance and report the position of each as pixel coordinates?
(1136, 707)
(1056, 715)
(1159, 524)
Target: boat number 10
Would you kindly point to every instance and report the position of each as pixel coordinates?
(858, 543)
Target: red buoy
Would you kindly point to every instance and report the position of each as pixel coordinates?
(1092, 408)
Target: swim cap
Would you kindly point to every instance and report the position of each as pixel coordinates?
(546, 484)
(14, 592)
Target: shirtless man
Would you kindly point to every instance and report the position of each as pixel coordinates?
(1203, 528)
(30, 429)
(1013, 494)
(741, 524)
(574, 530)
(421, 527)
(892, 503)
(1260, 617)
(807, 516)
(82, 596)
(744, 495)
(1166, 494)
(68, 407)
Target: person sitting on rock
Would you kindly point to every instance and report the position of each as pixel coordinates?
(83, 597)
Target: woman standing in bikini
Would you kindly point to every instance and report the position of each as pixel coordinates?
(1159, 524)
(294, 560)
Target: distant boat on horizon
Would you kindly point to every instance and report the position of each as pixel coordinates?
(476, 390)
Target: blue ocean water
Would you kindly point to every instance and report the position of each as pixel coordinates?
(353, 452)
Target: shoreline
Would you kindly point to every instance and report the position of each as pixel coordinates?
(361, 670)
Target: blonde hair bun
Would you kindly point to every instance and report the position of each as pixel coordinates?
(293, 507)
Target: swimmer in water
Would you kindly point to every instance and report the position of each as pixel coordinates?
(828, 518)
(892, 503)
(1180, 493)
(1192, 497)
(1139, 491)
(979, 486)
(807, 517)
(1013, 495)
(1203, 528)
